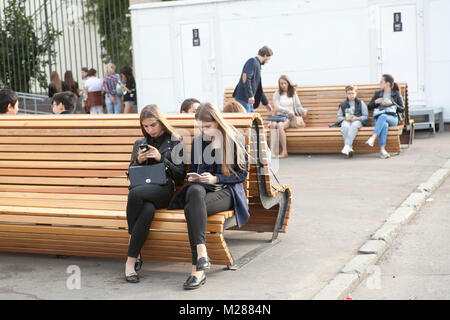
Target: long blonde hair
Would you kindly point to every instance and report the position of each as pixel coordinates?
(154, 112)
(209, 113)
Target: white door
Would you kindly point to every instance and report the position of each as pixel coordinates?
(198, 62)
(398, 53)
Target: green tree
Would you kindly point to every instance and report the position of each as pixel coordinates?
(23, 55)
(114, 26)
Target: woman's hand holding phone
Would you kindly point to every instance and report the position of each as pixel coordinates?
(208, 178)
(194, 177)
(205, 177)
(148, 153)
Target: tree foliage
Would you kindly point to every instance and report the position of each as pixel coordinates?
(24, 56)
(114, 26)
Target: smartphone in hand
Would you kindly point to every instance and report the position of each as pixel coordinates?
(194, 176)
(144, 147)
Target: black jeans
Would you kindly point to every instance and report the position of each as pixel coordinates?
(142, 203)
(199, 204)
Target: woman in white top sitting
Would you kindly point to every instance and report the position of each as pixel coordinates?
(287, 104)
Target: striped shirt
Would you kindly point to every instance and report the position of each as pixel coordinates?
(110, 83)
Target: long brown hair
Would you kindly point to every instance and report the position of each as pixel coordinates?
(291, 86)
(234, 107)
(209, 113)
(70, 82)
(55, 81)
(154, 112)
(390, 79)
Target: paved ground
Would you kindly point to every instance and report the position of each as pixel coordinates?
(417, 265)
(337, 204)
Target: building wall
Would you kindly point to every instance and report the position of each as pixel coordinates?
(437, 54)
(314, 42)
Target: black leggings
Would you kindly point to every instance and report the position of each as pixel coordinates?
(141, 206)
(199, 204)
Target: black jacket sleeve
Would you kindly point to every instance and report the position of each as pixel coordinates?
(372, 105)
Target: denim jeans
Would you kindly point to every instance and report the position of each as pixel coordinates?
(246, 105)
(111, 107)
(382, 124)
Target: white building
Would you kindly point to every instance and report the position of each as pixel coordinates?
(315, 42)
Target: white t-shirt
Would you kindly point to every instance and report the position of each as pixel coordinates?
(93, 84)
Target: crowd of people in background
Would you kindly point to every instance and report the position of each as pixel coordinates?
(114, 94)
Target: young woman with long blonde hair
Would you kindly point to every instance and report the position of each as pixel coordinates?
(219, 166)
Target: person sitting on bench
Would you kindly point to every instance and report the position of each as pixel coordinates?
(288, 107)
(155, 147)
(352, 115)
(64, 102)
(9, 102)
(387, 103)
(234, 107)
(189, 106)
(219, 166)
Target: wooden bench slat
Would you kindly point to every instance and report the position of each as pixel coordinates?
(63, 173)
(113, 182)
(65, 164)
(65, 189)
(106, 157)
(69, 148)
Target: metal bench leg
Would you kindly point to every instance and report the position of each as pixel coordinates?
(441, 122)
(433, 123)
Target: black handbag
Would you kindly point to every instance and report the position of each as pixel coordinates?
(152, 174)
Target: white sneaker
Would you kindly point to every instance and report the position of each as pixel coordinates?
(384, 155)
(370, 142)
(350, 152)
(345, 150)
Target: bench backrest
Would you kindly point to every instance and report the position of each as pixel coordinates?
(322, 102)
(80, 154)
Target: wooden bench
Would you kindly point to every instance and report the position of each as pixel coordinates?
(63, 189)
(322, 103)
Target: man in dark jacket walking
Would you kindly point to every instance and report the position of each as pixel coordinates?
(249, 91)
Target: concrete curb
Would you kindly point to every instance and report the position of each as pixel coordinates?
(353, 273)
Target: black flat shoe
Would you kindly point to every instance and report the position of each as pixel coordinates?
(132, 278)
(138, 264)
(193, 283)
(203, 264)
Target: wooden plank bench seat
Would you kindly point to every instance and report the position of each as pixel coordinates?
(63, 189)
(322, 103)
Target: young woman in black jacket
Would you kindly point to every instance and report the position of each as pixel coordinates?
(387, 104)
(161, 139)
